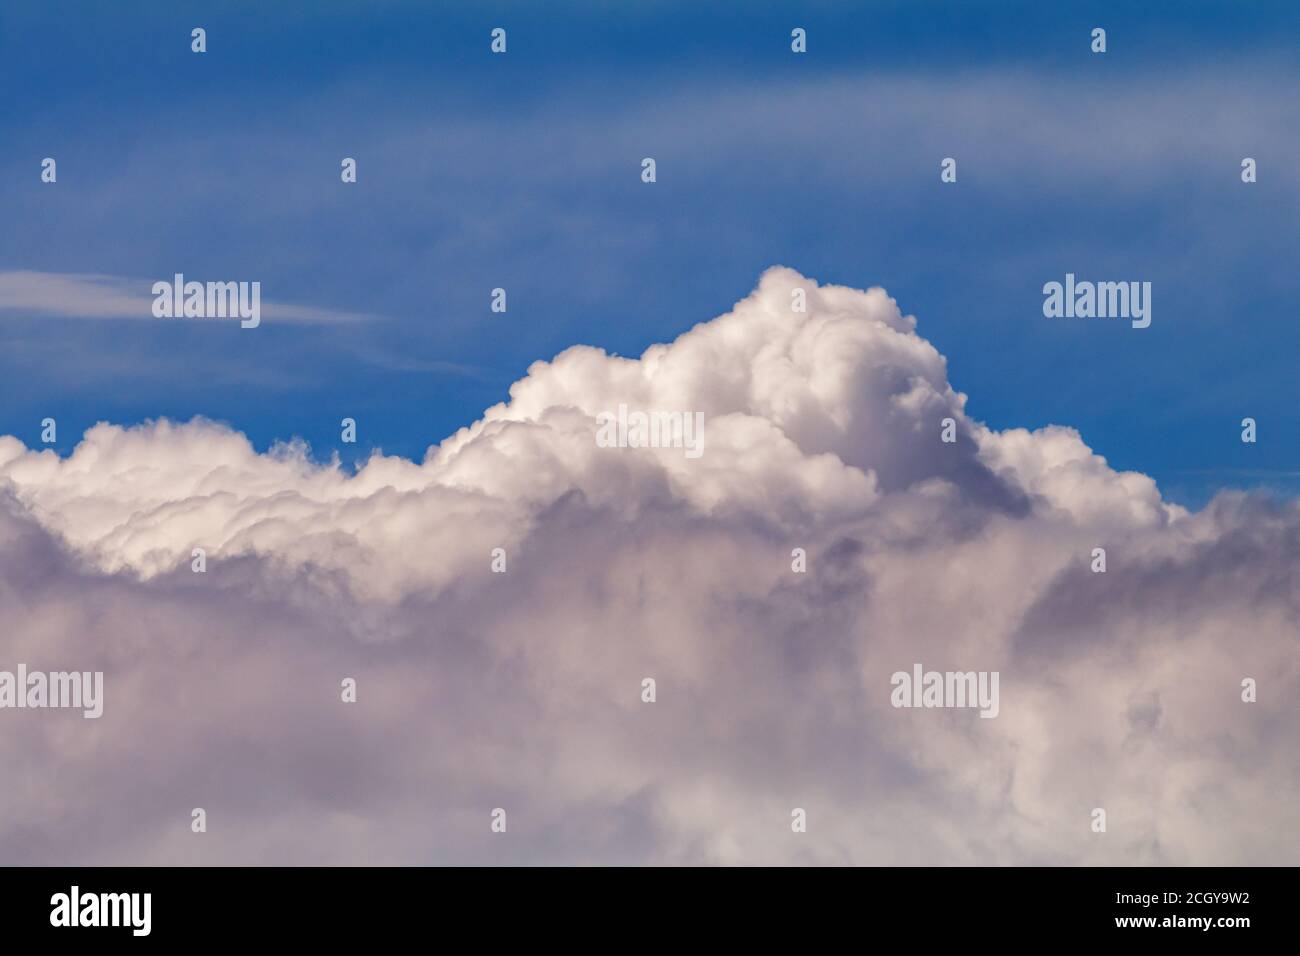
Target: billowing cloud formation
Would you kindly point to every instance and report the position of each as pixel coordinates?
(522, 690)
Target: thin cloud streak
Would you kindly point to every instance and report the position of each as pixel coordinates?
(91, 296)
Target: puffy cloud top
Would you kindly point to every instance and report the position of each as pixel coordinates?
(810, 418)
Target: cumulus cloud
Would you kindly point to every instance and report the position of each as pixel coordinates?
(522, 690)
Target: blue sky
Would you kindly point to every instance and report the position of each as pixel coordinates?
(522, 171)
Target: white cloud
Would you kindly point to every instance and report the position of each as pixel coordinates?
(522, 690)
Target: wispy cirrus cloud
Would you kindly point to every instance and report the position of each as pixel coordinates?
(89, 296)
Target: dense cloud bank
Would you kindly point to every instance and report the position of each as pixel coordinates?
(523, 690)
